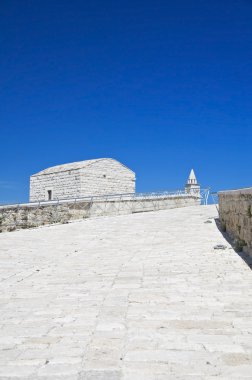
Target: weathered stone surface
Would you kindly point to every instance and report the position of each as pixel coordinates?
(236, 217)
(132, 297)
(29, 216)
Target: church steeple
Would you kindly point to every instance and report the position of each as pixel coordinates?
(192, 178)
(192, 185)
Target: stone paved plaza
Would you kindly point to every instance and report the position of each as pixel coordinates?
(135, 297)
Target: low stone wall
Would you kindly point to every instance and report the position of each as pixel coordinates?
(29, 215)
(236, 217)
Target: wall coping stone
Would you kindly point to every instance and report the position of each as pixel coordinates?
(247, 190)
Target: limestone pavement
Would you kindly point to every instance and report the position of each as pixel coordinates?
(142, 296)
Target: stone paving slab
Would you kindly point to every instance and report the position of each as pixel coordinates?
(132, 297)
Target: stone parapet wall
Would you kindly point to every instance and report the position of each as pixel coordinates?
(235, 209)
(30, 216)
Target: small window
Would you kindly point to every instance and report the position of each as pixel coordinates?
(49, 195)
(104, 175)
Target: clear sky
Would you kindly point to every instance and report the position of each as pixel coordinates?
(160, 85)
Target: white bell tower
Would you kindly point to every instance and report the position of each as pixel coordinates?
(192, 185)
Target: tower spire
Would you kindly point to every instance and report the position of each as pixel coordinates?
(192, 178)
(192, 185)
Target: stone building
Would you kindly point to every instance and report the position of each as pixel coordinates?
(79, 179)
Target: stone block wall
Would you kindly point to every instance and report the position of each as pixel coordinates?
(30, 216)
(106, 176)
(65, 184)
(235, 209)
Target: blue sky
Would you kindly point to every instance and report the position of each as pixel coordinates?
(162, 86)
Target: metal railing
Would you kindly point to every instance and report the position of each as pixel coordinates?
(102, 205)
(203, 194)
